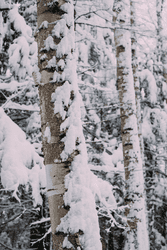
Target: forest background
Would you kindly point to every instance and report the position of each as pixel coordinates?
(25, 222)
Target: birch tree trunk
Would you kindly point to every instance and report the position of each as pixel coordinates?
(159, 9)
(135, 75)
(137, 233)
(161, 44)
(74, 220)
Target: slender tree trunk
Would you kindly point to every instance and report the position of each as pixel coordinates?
(133, 7)
(51, 147)
(137, 233)
(135, 75)
(161, 49)
(74, 220)
(159, 9)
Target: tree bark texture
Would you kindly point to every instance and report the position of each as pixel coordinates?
(52, 150)
(135, 74)
(137, 233)
(71, 202)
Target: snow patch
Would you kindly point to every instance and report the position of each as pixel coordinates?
(60, 29)
(61, 99)
(20, 163)
(49, 44)
(23, 53)
(44, 25)
(52, 63)
(47, 134)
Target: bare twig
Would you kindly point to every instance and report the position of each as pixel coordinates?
(2, 244)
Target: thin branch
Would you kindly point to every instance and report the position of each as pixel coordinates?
(13, 218)
(144, 33)
(91, 12)
(13, 96)
(48, 232)
(5, 246)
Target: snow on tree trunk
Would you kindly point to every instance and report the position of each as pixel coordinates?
(137, 233)
(135, 75)
(159, 9)
(74, 220)
(161, 44)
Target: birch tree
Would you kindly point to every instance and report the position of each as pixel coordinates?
(74, 221)
(161, 44)
(135, 73)
(159, 10)
(137, 233)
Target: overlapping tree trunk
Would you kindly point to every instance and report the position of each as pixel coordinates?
(135, 74)
(71, 202)
(137, 233)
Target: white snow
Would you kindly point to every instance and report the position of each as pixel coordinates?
(20, 163)
(31, 9)
(68, 18)
(82, 206)
(160, 121)
(67, 7)
(58, 77)
(65, 46)
(49, 44)
(61, 64)
(23, 53)
(13, 105)
(81, 189)
(52, 63)
(43, 57)
(67, 244)
(12, 86)
(44, 25)
(33, 122)
(33, 48)
(20, 24)
(61, 98)
(60, 29)
(36, 75)
(47, 134)
(114, 158)
(146, 75)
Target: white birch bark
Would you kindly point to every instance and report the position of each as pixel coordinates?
(137, 233)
